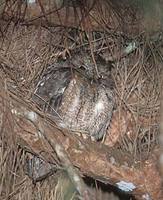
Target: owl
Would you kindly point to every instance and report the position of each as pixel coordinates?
(83, 105)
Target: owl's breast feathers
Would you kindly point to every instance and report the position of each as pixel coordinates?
(84, 106)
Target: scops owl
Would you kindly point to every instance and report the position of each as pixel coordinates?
(69, 91)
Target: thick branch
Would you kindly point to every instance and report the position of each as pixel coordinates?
(93, 159)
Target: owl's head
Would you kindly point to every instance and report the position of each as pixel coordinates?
(93, 67)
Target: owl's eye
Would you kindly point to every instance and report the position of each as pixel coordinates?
(83, 67)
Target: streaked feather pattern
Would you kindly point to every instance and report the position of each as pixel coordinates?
(83, 105)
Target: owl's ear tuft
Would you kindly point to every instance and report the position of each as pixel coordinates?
(100, 59)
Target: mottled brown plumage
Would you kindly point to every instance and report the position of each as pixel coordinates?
(83, 104)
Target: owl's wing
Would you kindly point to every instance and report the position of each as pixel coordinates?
(103, 109)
